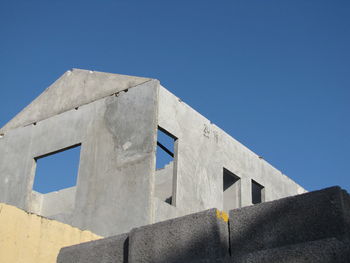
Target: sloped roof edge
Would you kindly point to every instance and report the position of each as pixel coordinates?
(74, 88)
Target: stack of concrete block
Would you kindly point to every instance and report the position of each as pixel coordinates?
(199, 236)
(312, 227)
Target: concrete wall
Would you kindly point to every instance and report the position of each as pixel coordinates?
(232, 194)
(28, 238)
(74, 88)
(163, 188)
(58, 204)
(116, 171)
(203, 150)
(114, 118)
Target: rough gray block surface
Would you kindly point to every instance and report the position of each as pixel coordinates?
(197, 236)
(312, 227)
(108, 250)
(320, 251)
(329, 250)
(307, 217)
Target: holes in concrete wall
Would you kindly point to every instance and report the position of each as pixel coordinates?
(166, 163)
(258, 193)
(57, 170)
(232, 190)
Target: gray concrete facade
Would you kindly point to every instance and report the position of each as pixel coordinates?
(203, 151)
(115, 120)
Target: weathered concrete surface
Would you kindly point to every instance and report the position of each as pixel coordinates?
(163, 186)
(58, 202)
(115, 182)
(74, 88)
(108, 250)
(58, 205)
(36, 202)
(203, 151)
(232, 195)
(197, 236)
(117, 163)
(164, 211)
(117, 159)
(298, 219)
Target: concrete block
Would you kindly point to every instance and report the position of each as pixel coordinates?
(108, 250)
(202, 235)
(307, 217)
(320, 251)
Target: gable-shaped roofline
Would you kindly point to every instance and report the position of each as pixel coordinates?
(74, 88)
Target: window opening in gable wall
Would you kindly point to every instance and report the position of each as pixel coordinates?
(232, 190)
(57, 170)
(166, 164)
(258, 193)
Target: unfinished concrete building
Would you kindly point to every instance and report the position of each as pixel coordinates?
(116, 119)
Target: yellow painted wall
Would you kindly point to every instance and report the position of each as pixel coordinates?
(27, 238)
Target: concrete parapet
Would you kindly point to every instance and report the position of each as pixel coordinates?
(109, 250)
(306, 217)
(202, 235)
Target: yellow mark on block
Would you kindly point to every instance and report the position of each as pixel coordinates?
(222, 215)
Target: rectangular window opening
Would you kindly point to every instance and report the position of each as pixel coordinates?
(166, 164)
(57, 170)
(258, 193)
(231, 190)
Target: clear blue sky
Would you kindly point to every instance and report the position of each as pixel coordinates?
(275, 74)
